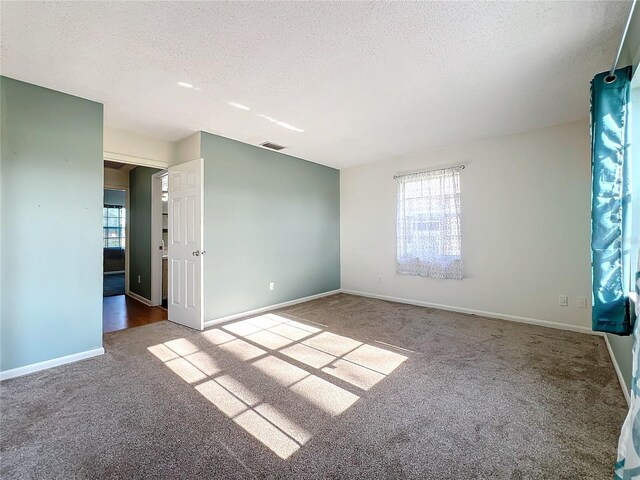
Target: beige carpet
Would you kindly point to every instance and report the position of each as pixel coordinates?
(341, 387)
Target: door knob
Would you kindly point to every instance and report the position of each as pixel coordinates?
(196, 253)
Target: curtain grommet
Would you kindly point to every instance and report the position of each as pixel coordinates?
(610, 79)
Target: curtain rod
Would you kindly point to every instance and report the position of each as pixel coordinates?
(461, 167)
(611, 77)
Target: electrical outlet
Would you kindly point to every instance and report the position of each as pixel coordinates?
(272, 285)
(563, 300)
(139, 278)
(581, 302)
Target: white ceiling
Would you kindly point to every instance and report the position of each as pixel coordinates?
(365, 81)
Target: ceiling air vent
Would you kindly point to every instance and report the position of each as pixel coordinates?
(272, 146)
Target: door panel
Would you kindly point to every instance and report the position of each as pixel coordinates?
(176, 291)
(176, 231)
(191, 220)
(186, 244)
(191, 284)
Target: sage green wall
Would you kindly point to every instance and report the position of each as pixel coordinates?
(51, 188)
(140, 230)
(268, 217)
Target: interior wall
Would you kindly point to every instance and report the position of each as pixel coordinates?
(621, 348)
(188, 149)
(115, 197)
(51, 184)
(268, 217)
(128, 146)
(116, 177)
(525, 227)
(139, 224)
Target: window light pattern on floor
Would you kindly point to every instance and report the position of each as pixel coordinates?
(284, 353)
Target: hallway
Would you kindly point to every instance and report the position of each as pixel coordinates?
(121, 312)
(113, 284)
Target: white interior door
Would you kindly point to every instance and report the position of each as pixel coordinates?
(185, 244)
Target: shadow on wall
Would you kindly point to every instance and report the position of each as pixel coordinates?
(246, 367)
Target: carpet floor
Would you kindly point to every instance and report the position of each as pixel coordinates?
(340, 387)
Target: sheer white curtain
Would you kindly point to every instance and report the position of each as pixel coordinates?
(428, 224)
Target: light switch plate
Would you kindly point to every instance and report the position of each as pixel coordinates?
(563, 300)
(581, 302)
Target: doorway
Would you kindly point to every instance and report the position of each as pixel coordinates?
(127, 247)
(164, 245)
(160, 239)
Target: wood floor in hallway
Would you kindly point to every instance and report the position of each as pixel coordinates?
(121, 312)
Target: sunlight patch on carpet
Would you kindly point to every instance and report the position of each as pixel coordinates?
(291, 368)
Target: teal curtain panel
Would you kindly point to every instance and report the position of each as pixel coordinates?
(610, 200)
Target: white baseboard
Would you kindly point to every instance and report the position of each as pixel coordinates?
(532, 321)
(216, 321)
(115, 272)
(140, 298)
(36, 367)
(501, 316)
(623, 384)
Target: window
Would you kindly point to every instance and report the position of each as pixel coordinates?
(428, 224)
(113, 226)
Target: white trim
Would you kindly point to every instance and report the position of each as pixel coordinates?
(501, 316)
(216, 321)
(127, 242)
(532, 321)
(156, 237)
(36, 367)
(132, 160)
(140, 298)
(623, 384)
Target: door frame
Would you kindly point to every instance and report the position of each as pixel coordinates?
(156, 277)
(156, 237)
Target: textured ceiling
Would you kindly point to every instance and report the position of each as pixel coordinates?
(365, 81)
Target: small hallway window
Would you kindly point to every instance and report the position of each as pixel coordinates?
(113, 226)
(429, 242)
